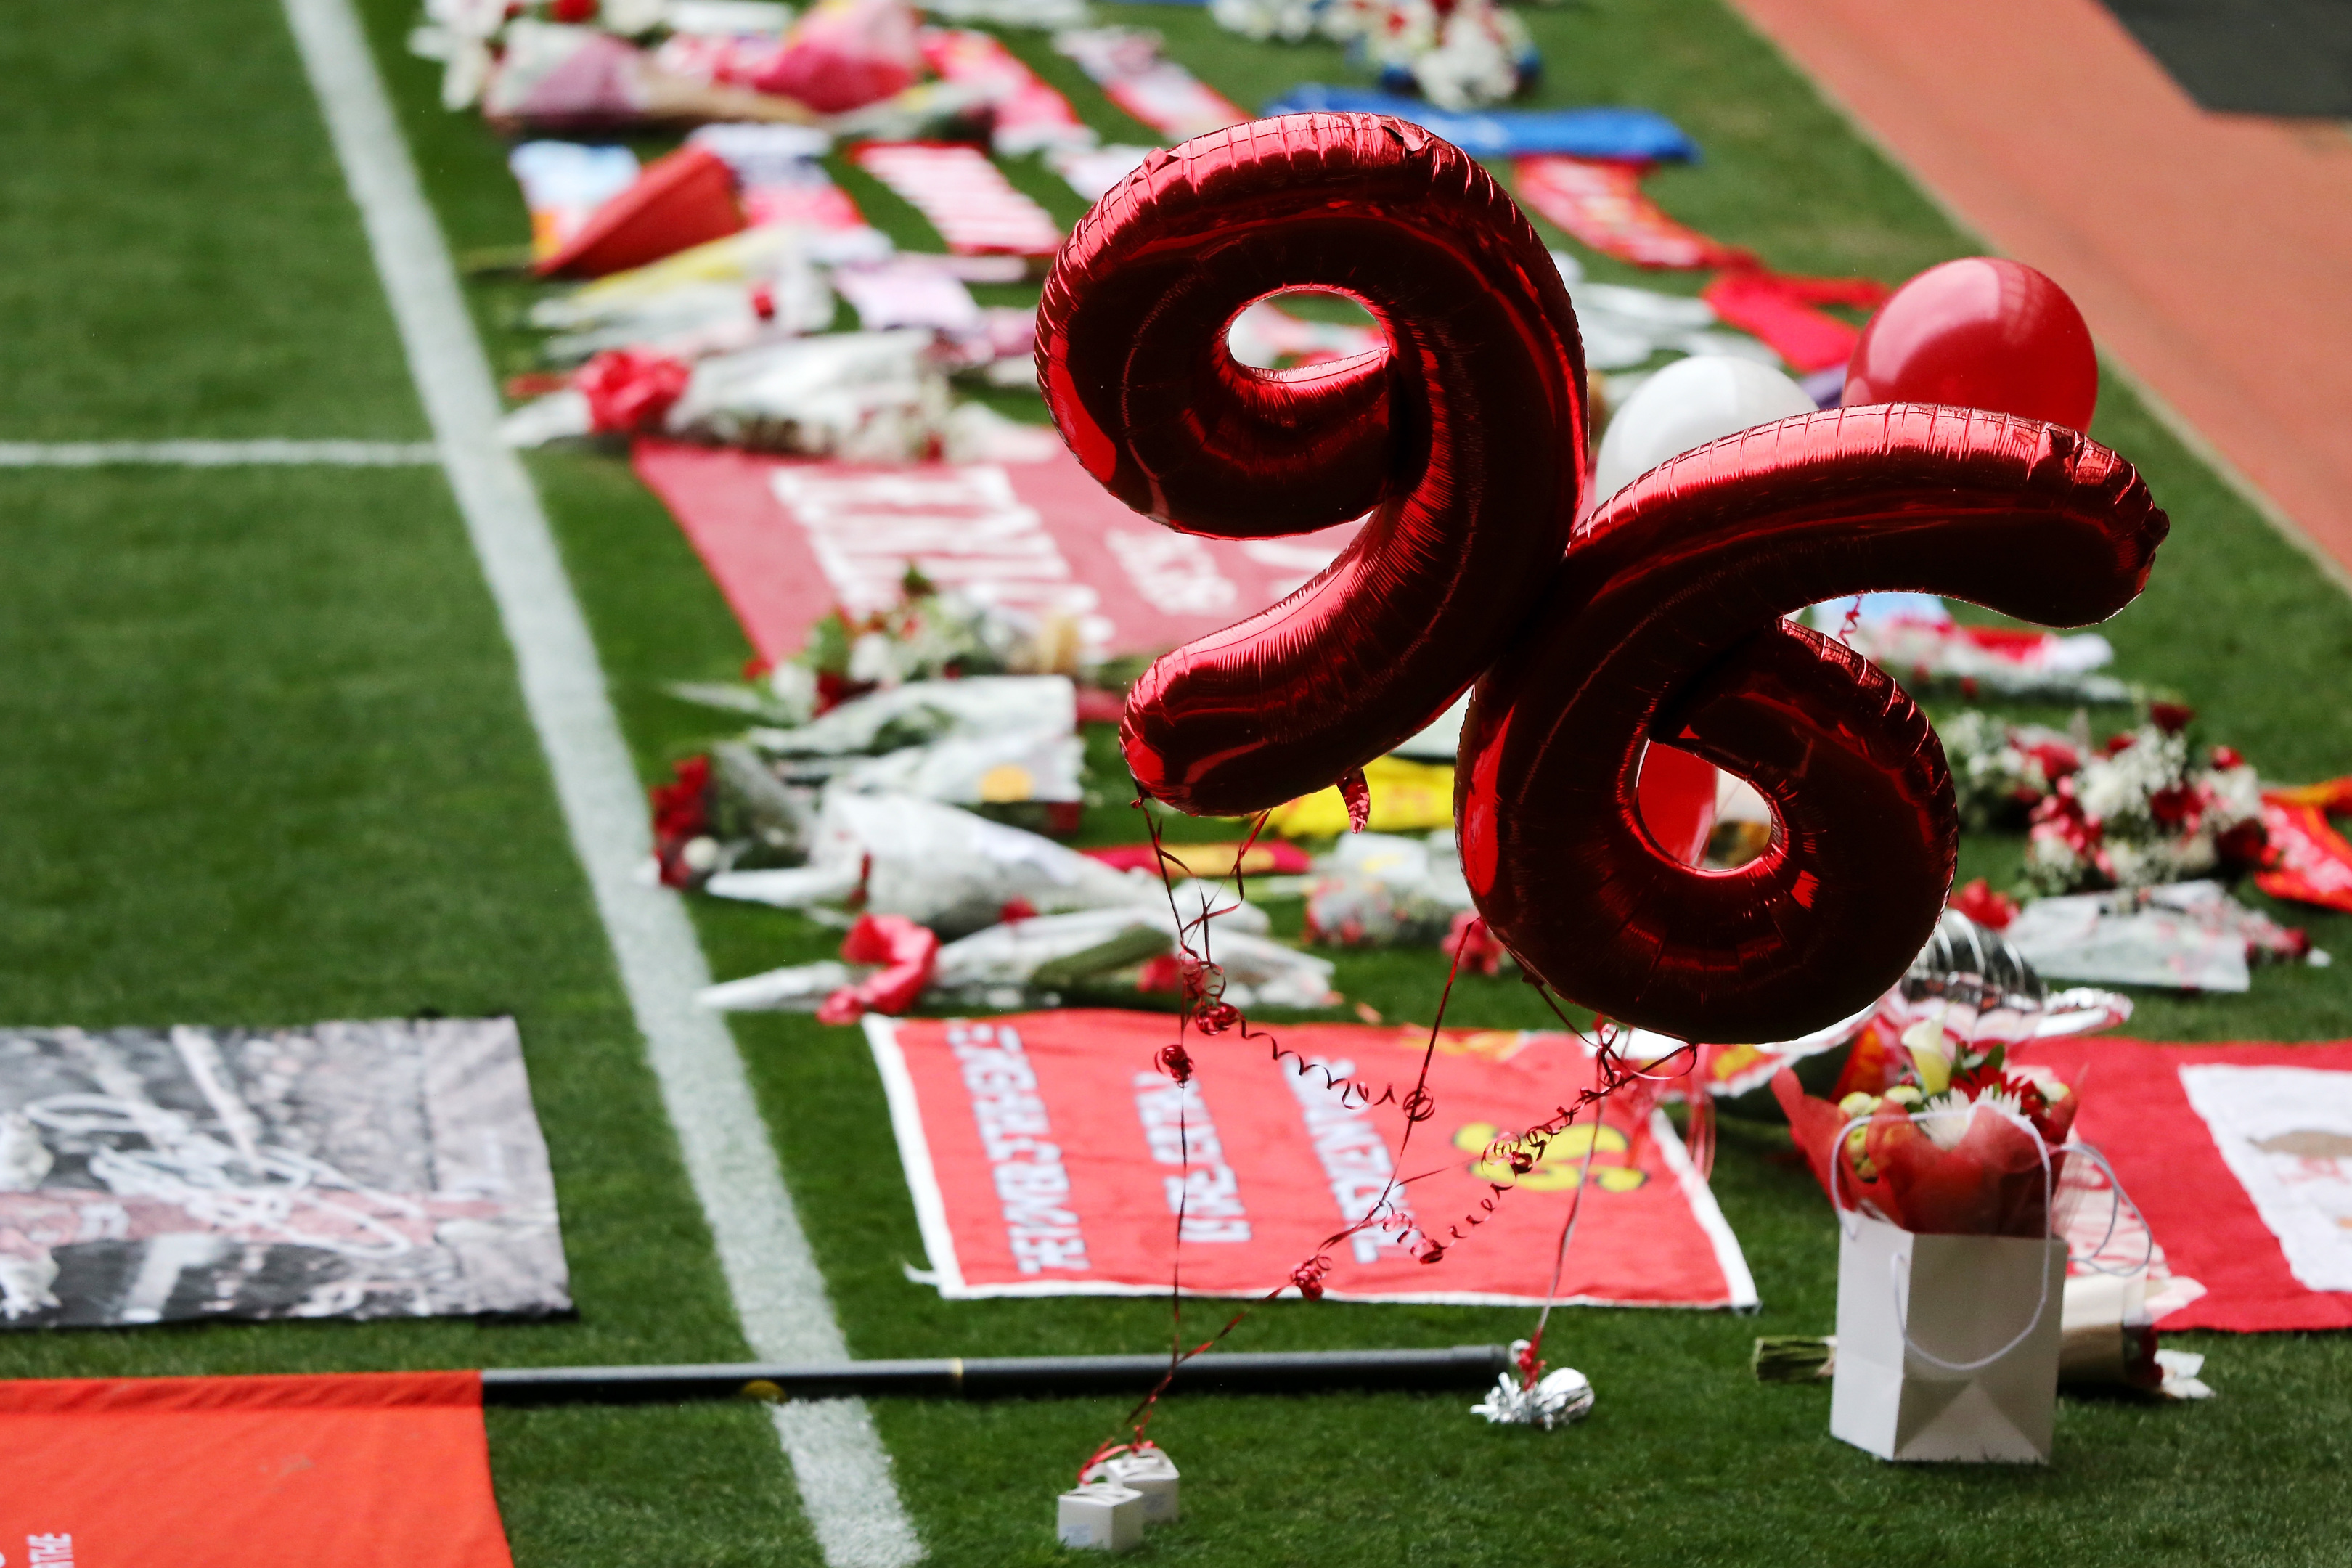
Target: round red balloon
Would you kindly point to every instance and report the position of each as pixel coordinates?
(1979, 332)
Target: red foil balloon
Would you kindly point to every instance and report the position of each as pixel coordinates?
(1463, 439)
(1979, 332)
(1665, 623)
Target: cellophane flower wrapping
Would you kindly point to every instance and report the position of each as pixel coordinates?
(1958, 1149)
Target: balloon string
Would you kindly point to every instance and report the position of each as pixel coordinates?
(1853, 622)
(1418, 1107)
(1175, 1254)
(1204, 984)
(1611, 1075)
(1204, 1005)
(1531, 1359)
(1177, 1063)
(1699, 1134)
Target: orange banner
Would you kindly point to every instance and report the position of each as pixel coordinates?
(225, 1472)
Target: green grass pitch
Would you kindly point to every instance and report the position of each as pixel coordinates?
(262, 761)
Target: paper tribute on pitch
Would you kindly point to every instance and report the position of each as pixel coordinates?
(346, 1169)
(2286, 1134)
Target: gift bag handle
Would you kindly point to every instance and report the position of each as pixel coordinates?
(2123, 1200)
(1903, 1315)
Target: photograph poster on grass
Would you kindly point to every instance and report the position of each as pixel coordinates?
(345, 1170)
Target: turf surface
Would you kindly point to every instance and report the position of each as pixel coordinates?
(267, 764)
(266, 758)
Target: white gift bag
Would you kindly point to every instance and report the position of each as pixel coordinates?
(1947, 1345)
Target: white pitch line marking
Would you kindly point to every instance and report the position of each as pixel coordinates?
(843, 1471)
(217, 454)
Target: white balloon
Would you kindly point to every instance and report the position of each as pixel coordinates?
(1690, 403)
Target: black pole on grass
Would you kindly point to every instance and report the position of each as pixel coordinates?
(1001, 1377)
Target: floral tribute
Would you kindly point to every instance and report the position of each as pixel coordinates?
(931, 634)
(927, 636)
(681, 814)
(1461, 54)
(2143, 809)
(1962, 1143)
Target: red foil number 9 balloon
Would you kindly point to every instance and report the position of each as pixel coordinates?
(1658, 618)
(1463, 439)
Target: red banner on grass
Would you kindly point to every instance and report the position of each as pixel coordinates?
(787, 540)
(967, 198)
(226, 1472)
(1782, 311)
(1048, 1156)
(1601, 203)
(2240, 1157)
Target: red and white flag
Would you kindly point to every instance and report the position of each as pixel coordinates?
(966, 197)
(1602, 204)
(2309, 861)
(1049, 1155)
(1126, 62)
(2239, 1157)
(787, 540)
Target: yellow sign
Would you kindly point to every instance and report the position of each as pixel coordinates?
(1405, 796)
(1559, 1158)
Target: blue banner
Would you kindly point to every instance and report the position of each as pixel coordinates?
(1623, 133)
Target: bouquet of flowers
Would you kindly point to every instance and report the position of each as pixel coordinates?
(1461, 54)
(2000, 771)
(725, 810)
(1379, 890)
(2146, 808)
(929, 635)
(2146, 811)
(1965, 1144)
(1945, 1166)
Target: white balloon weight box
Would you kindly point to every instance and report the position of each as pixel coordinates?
(1151, 1472)
(1101, 1516)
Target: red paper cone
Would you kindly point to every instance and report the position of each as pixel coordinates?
(684, 199)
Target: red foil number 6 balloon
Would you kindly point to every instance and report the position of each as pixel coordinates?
(1659, 617)
(1665, 622)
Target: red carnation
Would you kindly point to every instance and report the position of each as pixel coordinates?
(2244, 847)
(681, 814)
(2176, 806)
(1982, 904)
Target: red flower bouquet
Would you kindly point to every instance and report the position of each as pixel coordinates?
(1963, 1146)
